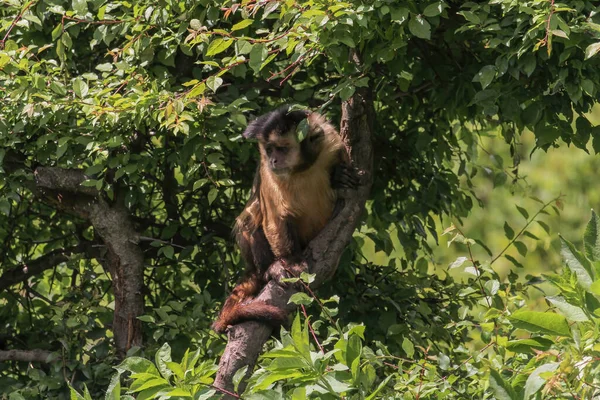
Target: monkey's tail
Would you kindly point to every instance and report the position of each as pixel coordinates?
(254, 311)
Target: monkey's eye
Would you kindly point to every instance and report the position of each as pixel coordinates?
(282, 149)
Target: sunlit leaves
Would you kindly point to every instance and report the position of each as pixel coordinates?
(540, 322)
(592, 50)
(218, 45)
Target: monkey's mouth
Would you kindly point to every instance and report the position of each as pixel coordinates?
(281, 170)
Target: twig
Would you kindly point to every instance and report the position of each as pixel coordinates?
(311, 329)
(523, 229)
(10, 28)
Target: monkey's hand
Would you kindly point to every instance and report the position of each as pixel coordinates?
(284, 269)
(344, 177)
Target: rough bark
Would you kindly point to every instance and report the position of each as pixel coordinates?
(245, 341)
(24, 355)
(123, 258)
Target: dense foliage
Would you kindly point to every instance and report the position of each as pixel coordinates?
(149, 99)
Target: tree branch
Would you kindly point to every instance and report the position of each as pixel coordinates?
(323, 253)
(25, 355)
(112, 223)
(37, 266)
(62, 179)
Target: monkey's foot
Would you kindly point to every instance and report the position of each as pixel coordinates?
(344, 177)
(282, 269)
(220, 327)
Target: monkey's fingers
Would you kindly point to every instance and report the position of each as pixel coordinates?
(344, 177)
(280, 270)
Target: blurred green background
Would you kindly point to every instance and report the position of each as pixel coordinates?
(564, 170)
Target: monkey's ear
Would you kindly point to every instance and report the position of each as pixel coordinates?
(297, 115)
(254, 129)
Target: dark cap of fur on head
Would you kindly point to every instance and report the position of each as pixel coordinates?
(279, 121)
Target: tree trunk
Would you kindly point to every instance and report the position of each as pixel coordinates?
(321, 256)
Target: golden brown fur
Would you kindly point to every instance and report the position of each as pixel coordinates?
(285, 211)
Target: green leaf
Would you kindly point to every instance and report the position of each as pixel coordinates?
(458, 262)
(419, 27)
(435, 9)
(214, 82)
(162, 356)
(508, 231)
(106, 67)
(521, 248)
(168, 251)
(178, 392)
(74, 395)
(591, 238)
(113, 392)
(501, 388)
(212, 195)
(336, 385)
(400, 14)
(541, 322)
(527, 345)
(347, 92)
(80, 88)
(535, 382)
(258, 54)
(300, 337)
(80, 7)
(299, 393)
(379, 388)
(152, 383)
(238, 376)
(137, 365)
(485, 76)
(243, 47)
(302, 130)
(218, 45)
(523, 212)
(300, 298)
(595, 287)
(242, 24)
(353, 350)
(592, 50)
(408, 347)
(573, 313)
(588, 87)
(58, 88)
(577, 263)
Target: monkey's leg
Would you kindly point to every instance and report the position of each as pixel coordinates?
(289, 263)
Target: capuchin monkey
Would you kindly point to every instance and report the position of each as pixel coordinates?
(291, 201)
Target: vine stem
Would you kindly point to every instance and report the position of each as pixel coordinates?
(14, 23)
(518, 235)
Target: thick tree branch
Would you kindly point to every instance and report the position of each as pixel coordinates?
(62, 179)
(112, 223)
(25, 355)
(323, 253)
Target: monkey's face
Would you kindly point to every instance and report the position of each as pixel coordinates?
(282, 154)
